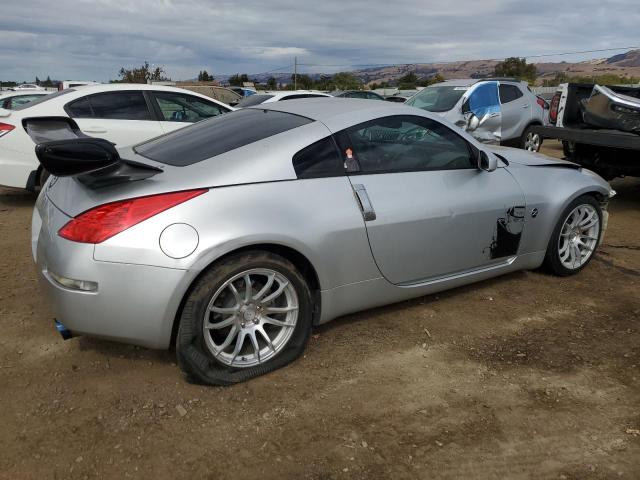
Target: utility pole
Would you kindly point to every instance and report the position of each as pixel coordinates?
(295, 73)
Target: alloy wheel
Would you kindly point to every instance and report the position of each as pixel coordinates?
(578, 236)
(251, 317)
(532, 142)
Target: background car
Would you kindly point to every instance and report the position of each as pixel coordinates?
(26, 86)
(235, 235)
(363, 94)
(12, 100)
(124, 114)
(269, 97)
(505, 109)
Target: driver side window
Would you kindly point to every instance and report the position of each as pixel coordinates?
(403, 143)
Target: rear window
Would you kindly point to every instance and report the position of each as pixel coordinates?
(44, 98)
(218, 135)
(253, 100)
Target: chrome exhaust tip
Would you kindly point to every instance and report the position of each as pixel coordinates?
(64, 332)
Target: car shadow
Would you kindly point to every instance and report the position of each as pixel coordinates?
(129, 352)
(16, 198)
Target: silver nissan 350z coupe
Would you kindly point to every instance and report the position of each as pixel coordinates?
(236, 235)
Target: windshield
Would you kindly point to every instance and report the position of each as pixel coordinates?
(44, 98)
(253, 100)
(437, 98)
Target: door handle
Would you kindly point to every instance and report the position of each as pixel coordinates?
(95, 130)
(494, 115)
(365, 204)
(526, 106)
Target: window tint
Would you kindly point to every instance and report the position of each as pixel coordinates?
(320, 159)
(509, 93)
(403, 143)
(179, 107)
(218, 135)
(120, 106)
(300, 95)
(253, 100)
(80, 108)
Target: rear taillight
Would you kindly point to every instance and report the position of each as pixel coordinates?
(5, 128)
(103, 222)
(553, 110)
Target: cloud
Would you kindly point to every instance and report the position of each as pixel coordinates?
(92, 39)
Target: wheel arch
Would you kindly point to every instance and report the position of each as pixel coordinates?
(299, 260)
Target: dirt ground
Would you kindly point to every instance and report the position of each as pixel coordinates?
(525, 376)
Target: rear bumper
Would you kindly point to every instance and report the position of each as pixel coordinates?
(134, 304)
(16, 167)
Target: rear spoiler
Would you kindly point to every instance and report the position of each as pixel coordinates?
(64, 151)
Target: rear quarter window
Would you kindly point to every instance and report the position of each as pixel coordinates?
(320, 159)
(218, 135)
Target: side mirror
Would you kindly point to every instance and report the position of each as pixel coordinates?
(487, 162)
(474, 122)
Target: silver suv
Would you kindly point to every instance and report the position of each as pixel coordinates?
(497, 110)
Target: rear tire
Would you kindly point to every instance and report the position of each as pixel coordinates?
(530, 141)
(209, 352)
(575, 237)
(43, 177)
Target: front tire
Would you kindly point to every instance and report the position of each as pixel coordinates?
(575, 237)
(530, 141)
(246, 316)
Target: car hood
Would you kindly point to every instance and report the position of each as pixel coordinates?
(530, 159)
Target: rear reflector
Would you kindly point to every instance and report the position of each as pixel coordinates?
(105, 221)
(5, 128)
(553, 110)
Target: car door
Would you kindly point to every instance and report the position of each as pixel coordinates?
(122, 117)
(429, 211)
(482, 101)
(516, 111)
(177, 109)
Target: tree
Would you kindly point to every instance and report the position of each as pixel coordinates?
(237, 80)
(408, 81)
(304, 81)
(344, 81)
(204, 76)
(143, 74)
(516, 67)
(272, 84)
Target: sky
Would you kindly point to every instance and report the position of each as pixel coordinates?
(93, 39)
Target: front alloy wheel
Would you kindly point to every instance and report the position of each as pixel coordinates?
(575, 237)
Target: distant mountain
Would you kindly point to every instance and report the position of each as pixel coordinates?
(629, 59)
(623, 64)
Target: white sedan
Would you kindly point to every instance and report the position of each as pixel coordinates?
(125, 114)
(268, 97)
